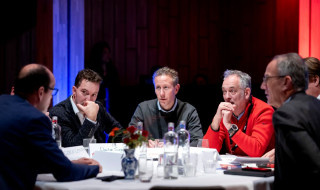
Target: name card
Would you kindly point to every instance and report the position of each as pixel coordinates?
(110, 161)
(106, 147)
(75, 152)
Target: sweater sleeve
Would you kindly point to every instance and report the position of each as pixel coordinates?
(215, 138)
(194, 128)
(137, 116)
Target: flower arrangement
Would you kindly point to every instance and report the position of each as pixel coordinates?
(131, 136)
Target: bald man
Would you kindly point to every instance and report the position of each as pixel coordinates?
(27, 146)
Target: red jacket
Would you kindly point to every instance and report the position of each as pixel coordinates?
(255, 141)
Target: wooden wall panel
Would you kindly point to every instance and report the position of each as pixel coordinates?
(142, 52)
(163, 36)
(173, 42)
(131, 24)
(119, 37)
(97, 23)
(152, 24)
(194, 37)
(109, 23)
(131, 67)
(18, 45)
(183, 33)
(142, 13)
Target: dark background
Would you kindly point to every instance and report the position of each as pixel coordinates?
(192, 36)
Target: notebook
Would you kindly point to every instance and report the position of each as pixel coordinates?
(251, 172)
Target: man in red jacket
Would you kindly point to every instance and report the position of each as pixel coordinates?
(242, 124)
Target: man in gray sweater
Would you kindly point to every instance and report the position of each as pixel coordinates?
(157, 113)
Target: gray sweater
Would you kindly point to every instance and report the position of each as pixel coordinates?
(156, 121)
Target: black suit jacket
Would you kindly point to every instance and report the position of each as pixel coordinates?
(27, 147)
(73, 132)
(297, 129)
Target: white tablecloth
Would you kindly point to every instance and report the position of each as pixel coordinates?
(232, 182)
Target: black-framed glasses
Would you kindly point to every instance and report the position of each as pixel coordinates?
(54, 91)
(266, 78)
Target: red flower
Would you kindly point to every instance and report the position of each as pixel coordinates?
(145, 133)
(111, 134)
(134, 136)
(131, 137)
(126, 140)
(131, 129)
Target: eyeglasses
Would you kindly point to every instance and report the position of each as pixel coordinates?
(54, 91)
(266, 78)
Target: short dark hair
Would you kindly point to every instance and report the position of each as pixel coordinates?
(27, 84)
(87, 74)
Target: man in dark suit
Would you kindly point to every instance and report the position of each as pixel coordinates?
(27, 146)
(296, 123)
(80, 116)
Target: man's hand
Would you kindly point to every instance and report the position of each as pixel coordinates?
(226, 115)
(223, 106)
(155, 144)
(88, 161)
(269, 155)
(151, 144)
(89, 109)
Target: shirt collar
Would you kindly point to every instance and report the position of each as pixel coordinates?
(75, 108)
(172, 109)
(318, 97)
(288, 100)
(240, 115)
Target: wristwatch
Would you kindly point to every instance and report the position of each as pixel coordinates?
(234, 128)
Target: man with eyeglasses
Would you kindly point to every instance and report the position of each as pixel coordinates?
(27, 146)
(157, 113)
(80, 116)
(296, 122)
(242, 124)
(313, 65)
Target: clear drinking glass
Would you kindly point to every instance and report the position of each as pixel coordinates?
(190, 164)
(160, 167)
(86, 143)
(145, 170)
(209, 159)
(203, 143)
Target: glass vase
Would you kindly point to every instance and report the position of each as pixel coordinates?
(129, 164)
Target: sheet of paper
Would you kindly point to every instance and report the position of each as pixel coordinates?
(242, 159)
(75, 152)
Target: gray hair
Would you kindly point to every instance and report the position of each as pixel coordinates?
(245, 79)
(293, 65)
(167, 71)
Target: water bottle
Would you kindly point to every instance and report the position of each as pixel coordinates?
(183, 146)
(56, 131)
(170, 153)
(143, 148)
(139, 127)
